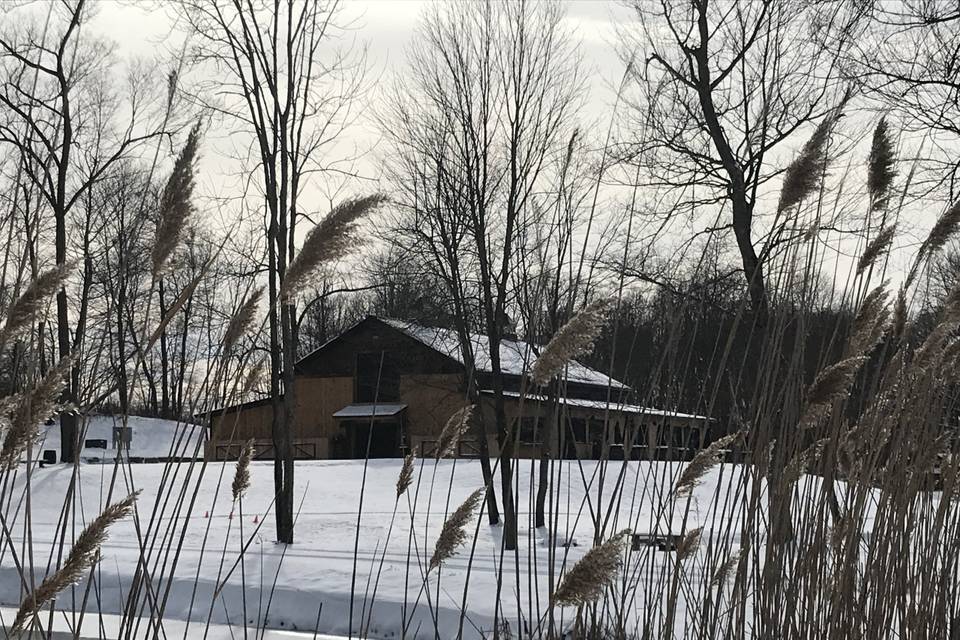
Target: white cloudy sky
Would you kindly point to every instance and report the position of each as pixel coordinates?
(146, 29)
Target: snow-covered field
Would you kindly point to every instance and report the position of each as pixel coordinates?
(307, 586)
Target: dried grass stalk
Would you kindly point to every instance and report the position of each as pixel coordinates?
(689, 543)
(706, 459)
(877, 247)
(24, 309)
(175, 205)
(457, 425)
(453, 534)
(30, 411)
(804, 173)
(253, 376)
(241, 478)
(944, 229)
(880, 171)
(871, 322)
(596, 570)
(82, 556)
(242, 320)
(573, 339)
(833, 382)
(724, 571)
(328, 241)
(174, 309)
(405, 479)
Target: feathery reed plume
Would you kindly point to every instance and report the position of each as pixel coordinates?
(453, 430)
(31, 409)
(803, 175)
(588, 578)
(689, 543)
(706, 459)
(253, 376)
(82, 556)
(945, 227)
(406, 473)
(725, 569)
(175, 205)
(329, 240)
(833, 382)
(175, 308)
(799, 464)
(877, 247)
(241, 478)
(241, 320)
(573, 339)
(453, 534)
(21, 312)
(880, 171)
(870, 323)
(172, 78)
(899, 323)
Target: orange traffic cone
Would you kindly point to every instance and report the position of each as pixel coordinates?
(206, 514)
(256, 519)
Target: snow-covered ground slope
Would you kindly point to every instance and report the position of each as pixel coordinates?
(150, 438)
(185, 512)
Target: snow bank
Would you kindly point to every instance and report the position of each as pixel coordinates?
(151, 439)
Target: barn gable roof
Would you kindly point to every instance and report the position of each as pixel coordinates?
(516, 356)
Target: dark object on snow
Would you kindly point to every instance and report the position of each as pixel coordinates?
(662, 541)
(49, 457)
(95, 443)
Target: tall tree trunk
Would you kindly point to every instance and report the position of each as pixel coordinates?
(164, 357)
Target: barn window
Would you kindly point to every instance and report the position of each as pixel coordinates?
(377, 378)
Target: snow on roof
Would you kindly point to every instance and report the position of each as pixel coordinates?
(370, 410)
(516, 356)
(603, 405)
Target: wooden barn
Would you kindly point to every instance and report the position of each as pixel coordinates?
(403, 381)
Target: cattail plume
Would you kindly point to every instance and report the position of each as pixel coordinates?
(328, 241)
(457, 425)
(82, 556)
(573, 339)
(586, 581)
(453, 534)
(405, 479)
(24, 309)
(705, 460)
(175, 203)
(30, 410)
(242, 320)
(880, 169)
(241, 477)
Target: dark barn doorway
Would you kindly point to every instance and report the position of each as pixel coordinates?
(379, 425)
(385, 439)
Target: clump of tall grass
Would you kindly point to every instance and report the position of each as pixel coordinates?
(175, 202)
(454, 531)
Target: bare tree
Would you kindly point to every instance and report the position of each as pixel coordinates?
(491, 94)
(279, 77)
(67, 127)
(721, 88)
